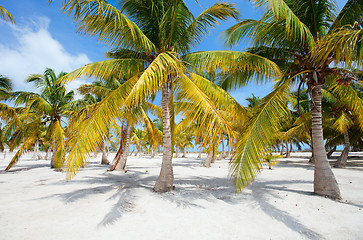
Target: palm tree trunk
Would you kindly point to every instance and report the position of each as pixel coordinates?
(36, 147)
(176, 152)
(312, 159)
(119, 162)
(342, 160)
(208, 161)
(52, 161)
(200, 151)
(215, 152)
(152, 153)
(287, 150)
(184, 152)
(104, 153)
(331, 152)
(229, 154)
(324, 180)
(282, 148)
(223, 154)
(164, 183)
(49, 151)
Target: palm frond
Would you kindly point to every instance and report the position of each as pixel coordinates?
(352, 12)
(259, 136)
(208, 19)
(6, 16)
(204, 110)
(59, 139)
(294, 27)
(241, 67)
(345, 45)
(349, 97)
(26, 144)
(342, 123)
(119, 68)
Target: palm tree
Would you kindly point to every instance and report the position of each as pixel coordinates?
(154, 39)
(46, 108)
(305, 38)
(94, 93)
(5, 15)
(6, 113)
(340, 118)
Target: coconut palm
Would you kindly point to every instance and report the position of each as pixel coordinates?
(154, 39)
(310, 43)
(45, 108)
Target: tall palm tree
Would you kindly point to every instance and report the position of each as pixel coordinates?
(45, 108)
(154, 38)
(310, 43)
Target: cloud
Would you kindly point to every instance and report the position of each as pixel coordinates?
(32, 50)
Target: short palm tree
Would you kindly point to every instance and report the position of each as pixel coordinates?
(46, 108)
(310, 42)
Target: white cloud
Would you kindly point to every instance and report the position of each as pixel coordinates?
(32, 51)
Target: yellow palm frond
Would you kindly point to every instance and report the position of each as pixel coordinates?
(6, 16)
(240, 66)
(203, 109)
(259, 136)
(350, 98)
(59, 138)
(118, 68)
(26, 144)
(83, 10)
(345, 45)
(342, 123)
(294, 27)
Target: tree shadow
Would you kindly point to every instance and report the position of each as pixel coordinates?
(260, 191)
(25, 167)
(124, 205)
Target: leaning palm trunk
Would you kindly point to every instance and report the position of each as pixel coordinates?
(208, 161)
(119, 163)
(282, 148)
(164, 183)
(223, 154)
(331, 152)
(287, 150)
(324, 180)
(342, 160)
(49, 152)
(104, 153)
(200, 152)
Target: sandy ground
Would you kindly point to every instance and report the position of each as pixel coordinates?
(38, 203)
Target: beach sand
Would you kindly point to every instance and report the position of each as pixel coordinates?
(37, 202)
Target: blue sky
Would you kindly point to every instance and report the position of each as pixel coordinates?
(44, 37)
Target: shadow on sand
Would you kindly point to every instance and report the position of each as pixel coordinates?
(126, 185)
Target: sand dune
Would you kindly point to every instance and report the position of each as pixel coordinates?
(38, 203)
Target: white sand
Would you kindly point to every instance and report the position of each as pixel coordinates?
(37, 203)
